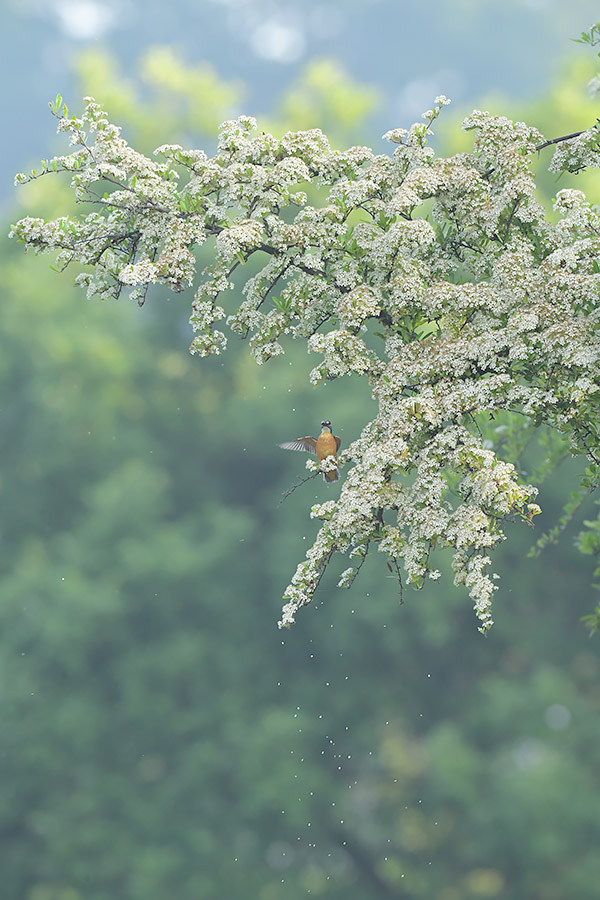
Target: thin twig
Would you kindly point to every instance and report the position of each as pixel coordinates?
(398, 575)
(298, 484)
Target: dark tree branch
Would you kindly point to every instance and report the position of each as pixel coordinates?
(565, 137)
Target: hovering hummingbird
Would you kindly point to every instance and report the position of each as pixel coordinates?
(325, 445)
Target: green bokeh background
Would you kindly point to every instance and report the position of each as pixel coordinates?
(160, 737)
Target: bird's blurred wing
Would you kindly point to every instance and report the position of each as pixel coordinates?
(338, 441)
(306, 444)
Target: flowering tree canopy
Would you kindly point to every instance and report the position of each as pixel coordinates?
(472, 313)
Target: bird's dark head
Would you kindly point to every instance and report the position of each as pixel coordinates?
(326, 424)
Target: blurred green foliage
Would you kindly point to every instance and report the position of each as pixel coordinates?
(171, 98)
(161, 739)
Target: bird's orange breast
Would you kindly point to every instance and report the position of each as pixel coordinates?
(326, 446)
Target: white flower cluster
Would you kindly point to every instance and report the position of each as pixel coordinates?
(479, 310)
(578, 153)
(358, 305)
(240, 237)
